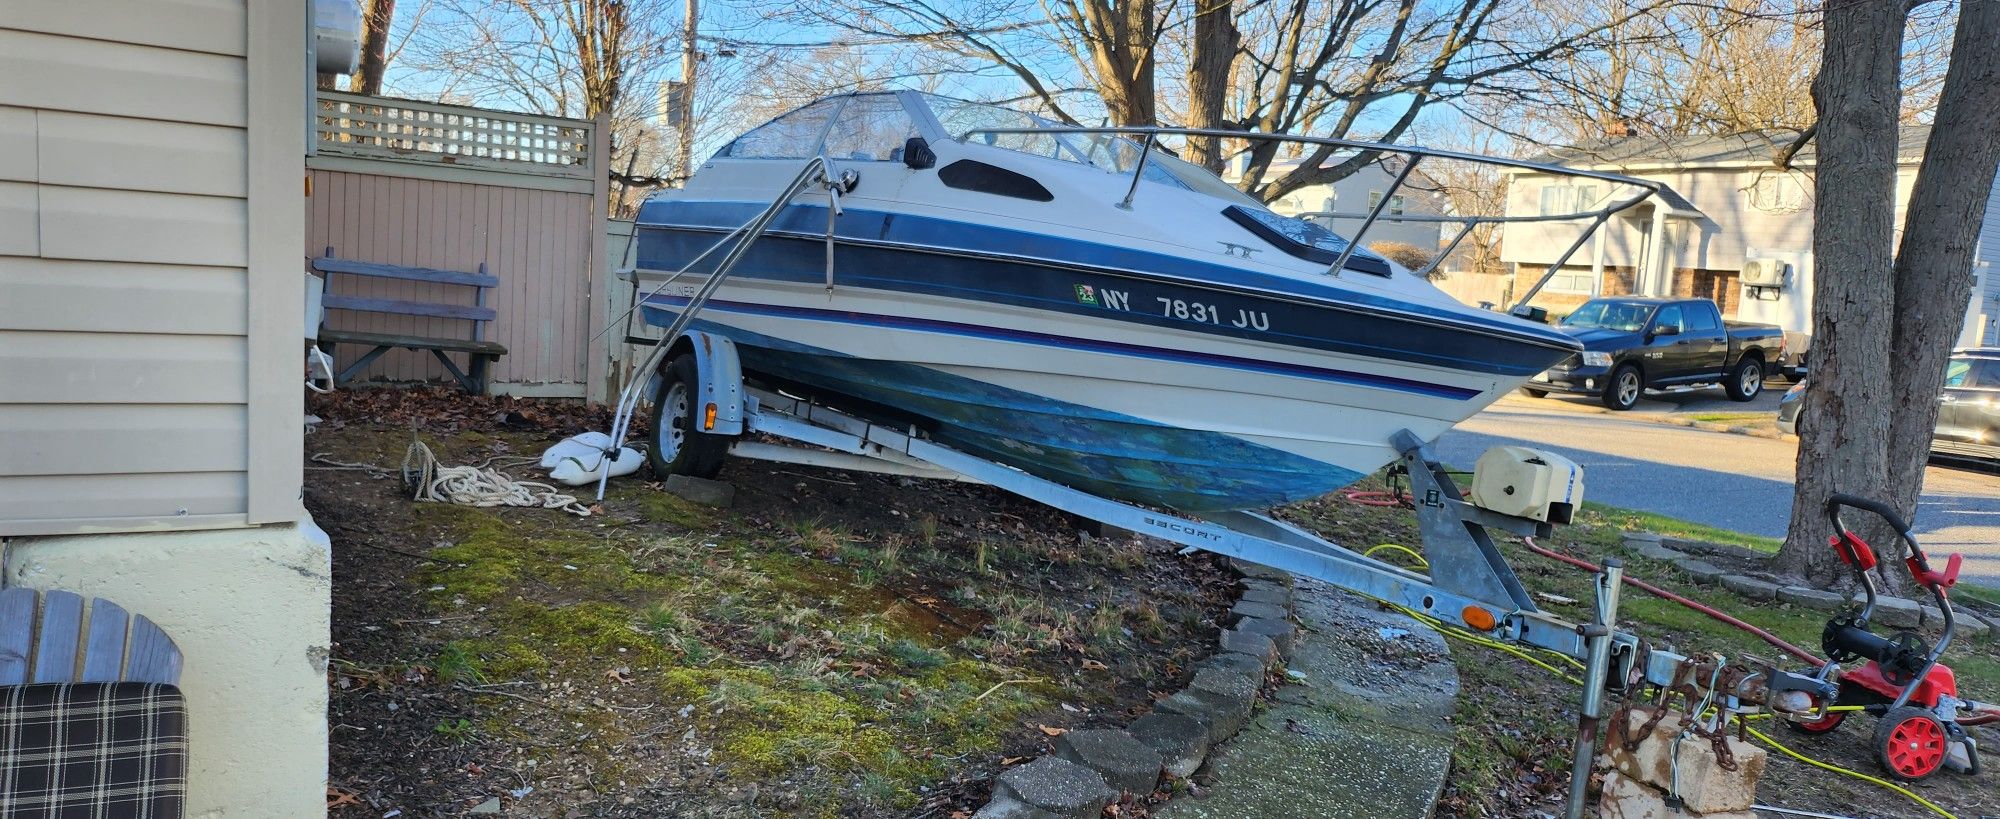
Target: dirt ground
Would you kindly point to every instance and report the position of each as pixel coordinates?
(1516, 720)
(833, 645)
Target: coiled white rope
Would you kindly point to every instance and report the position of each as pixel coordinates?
(477, 486)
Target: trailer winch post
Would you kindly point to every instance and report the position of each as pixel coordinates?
(1597, 635)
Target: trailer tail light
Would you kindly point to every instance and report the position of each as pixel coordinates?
(1478, 619)
(708, 418)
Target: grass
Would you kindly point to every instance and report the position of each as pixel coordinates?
(1633, 520)
(1729, 417)
(865, 660)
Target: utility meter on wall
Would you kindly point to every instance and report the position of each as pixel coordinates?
(1527, 483)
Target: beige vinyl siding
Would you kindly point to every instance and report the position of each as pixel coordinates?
(125, 239)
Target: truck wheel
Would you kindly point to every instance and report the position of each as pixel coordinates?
(678, 447)
(1622, 389)
(1746, 381)
(1535, 393)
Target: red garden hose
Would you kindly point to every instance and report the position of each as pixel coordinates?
(1656, 591)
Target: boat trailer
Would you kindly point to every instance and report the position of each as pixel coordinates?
(1469, 583)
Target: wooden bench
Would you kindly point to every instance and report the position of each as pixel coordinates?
(91, 723)
(482, 353)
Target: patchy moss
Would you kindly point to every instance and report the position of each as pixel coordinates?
(487, 554)
(666, 507)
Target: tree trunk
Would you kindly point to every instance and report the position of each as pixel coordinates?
(375, 19)
(1212, 54)
(1121, 39)
(1940, 231)
(1845, 445)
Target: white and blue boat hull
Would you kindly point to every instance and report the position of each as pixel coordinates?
(1195, 413)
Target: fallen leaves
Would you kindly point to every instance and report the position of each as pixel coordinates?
(337, 796)
(1053, 732)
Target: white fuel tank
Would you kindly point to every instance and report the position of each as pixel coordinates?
(1527, 483)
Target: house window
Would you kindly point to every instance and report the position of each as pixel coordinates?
(1395, 206)
(1569, 280)
(1558, 200)
(1778, 193)
(1374, 198)
(1586, 196)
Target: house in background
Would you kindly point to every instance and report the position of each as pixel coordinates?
(1343, 205)
(1729, 226)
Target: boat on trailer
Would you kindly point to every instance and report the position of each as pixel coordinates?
(1074, 303)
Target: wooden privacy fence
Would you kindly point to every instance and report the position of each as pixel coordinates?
(448, 187)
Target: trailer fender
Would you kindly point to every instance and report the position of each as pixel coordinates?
(719, 369)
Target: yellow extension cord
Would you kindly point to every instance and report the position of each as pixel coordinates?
(1450, 630)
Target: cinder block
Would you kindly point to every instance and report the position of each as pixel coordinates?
(1125, 763)
(1626, 798)
(1700, 571)
(1704, 786)
(1259, 646)
(1750, 587)
(1056, 786)
(1244, 610)
(718, 494)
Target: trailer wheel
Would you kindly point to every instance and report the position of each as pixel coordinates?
(678, 446)
(1746, 381)
(1910, 743)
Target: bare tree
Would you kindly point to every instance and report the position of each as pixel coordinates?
(1211, 58)
(1880, 342)
(1373, 67)
(1940, 232)
(375, 20)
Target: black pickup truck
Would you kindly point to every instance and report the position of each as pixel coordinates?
(1634, 344)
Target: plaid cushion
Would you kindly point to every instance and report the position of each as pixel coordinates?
(92, 751)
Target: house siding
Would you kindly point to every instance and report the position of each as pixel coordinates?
(1986, 304)
(126, 241)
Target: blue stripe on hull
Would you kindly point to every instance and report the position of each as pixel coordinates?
(904, 252)
(1105, 453)
(664, 318)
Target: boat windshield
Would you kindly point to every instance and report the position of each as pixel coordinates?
(1623, 316)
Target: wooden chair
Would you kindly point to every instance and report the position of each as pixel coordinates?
(88, 705)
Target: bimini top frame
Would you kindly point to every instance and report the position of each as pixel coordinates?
(1149, 139)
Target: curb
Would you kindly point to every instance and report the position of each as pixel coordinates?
(1091, 769)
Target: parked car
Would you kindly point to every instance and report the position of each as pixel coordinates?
(1636, 344)
(1968, 421)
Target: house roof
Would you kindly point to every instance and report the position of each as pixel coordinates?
(1702, 150)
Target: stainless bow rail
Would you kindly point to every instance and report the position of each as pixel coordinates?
(814, 171)
(1413, 156)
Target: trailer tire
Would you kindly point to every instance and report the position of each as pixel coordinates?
(1746, 380)
(677, 446)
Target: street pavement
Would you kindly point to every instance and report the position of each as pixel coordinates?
(1736, 482)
